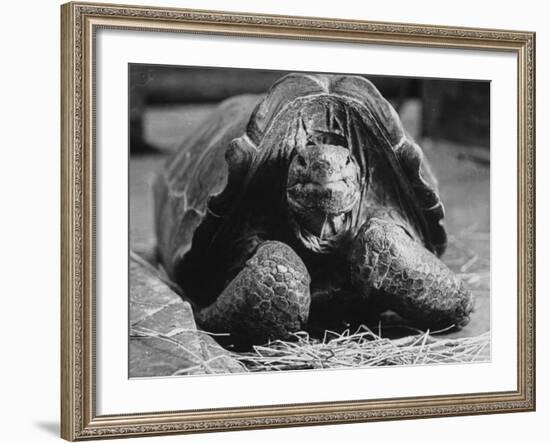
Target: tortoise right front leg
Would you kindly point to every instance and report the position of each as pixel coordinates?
(268, 299)
(408, 278)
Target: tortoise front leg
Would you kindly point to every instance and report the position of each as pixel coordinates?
(268, 299)
(409, 279)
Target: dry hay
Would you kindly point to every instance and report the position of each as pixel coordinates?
(363, 348)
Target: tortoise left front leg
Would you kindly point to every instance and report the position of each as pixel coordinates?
(408, 278)
(268, 299)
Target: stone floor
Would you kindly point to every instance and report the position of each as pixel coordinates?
(464, 185)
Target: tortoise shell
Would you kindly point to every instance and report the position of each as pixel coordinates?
(207, 179)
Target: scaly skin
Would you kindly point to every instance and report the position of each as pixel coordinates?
(409, 279)
(268, 299)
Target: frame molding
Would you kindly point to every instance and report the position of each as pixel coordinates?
(79, 21)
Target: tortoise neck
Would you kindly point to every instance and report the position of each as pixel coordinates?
(321, 232)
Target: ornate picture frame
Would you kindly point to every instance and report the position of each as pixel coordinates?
(80, 23)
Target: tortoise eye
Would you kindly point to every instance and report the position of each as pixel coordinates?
(301, 161)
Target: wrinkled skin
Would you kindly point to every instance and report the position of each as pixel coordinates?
(385, 261)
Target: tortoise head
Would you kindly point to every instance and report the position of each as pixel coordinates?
(323, 185)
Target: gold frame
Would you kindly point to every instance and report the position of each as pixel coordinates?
(79, 21)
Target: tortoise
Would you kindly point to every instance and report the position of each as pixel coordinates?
(309, 205)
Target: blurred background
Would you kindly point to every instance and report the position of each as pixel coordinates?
(456, 110)
(450, 119)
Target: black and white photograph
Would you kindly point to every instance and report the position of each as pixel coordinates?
(232, 221)
(304, 221)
